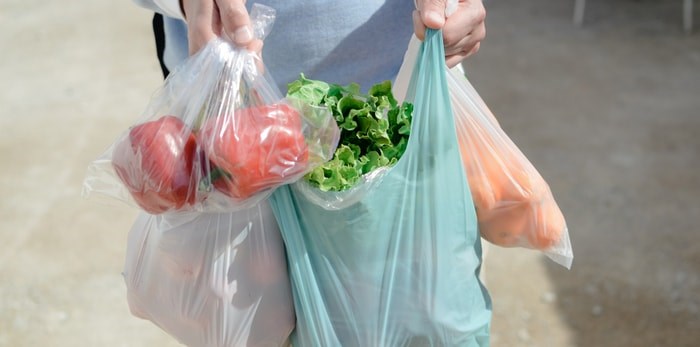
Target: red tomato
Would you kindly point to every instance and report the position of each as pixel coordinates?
(155, 162)
(256, 148)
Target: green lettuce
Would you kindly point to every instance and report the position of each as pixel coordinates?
(374, 129)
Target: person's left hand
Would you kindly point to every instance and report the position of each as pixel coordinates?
(462, 31)
(207, 19)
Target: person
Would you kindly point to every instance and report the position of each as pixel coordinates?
(342, 42)
(361, 41)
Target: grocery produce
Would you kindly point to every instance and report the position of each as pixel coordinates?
(374, 129)
(254, 149)
(155, 161)
(514, 204)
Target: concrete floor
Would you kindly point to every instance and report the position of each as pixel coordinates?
(608, 113)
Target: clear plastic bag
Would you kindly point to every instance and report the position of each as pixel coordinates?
(397, 264)
(211, 279)
(217, 136)
(514, 204)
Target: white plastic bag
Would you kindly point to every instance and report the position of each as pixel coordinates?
(211, 279)
(514, 204)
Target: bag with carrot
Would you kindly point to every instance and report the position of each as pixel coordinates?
(514, 204)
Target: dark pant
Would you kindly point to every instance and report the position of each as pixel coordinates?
(159, 34)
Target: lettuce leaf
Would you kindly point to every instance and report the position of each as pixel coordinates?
(374, 129)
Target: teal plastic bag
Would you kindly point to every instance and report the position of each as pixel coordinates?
(398, 265)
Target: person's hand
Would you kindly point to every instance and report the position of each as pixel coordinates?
(462, 31)
(208, 19)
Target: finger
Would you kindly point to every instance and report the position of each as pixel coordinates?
(467, 20)
(418, 26)
(474, 50)
(256, 46)
(200, 28)
(432, 13)
(454, 59)
(235, 21)
(466, 42)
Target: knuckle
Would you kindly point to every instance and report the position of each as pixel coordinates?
(450, 38)
(423, 5)
(235, 13)
(479, 34)
(480, 14)
(476, 48)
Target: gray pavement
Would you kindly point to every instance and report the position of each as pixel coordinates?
(608, 113)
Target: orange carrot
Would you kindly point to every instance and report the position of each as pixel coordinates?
(514, 205)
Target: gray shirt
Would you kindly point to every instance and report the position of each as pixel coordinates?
(360, 41)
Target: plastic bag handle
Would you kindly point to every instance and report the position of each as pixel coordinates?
(262, 17)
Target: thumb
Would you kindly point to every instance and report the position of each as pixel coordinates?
(432, 12)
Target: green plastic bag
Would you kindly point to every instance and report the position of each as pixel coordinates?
(398, 265)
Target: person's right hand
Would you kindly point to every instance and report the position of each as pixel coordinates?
(462, 31)
(208, 19)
